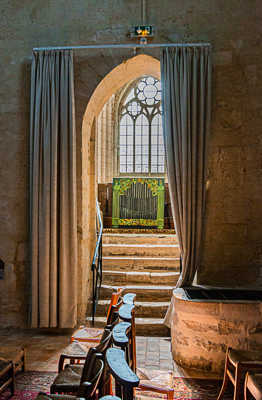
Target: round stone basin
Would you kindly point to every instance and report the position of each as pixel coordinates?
(201, 329)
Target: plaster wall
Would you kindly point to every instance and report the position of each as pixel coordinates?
(232, 244)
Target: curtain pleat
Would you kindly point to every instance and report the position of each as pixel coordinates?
(53, 223)
(186, 99)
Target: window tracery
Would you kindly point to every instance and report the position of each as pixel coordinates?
(141, 148)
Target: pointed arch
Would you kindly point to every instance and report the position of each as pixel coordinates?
(125, 72)
(112, 82)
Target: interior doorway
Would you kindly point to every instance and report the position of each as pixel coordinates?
(140, 258)
(118, 78)
(130, 158)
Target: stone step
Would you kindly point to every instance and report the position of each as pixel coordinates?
(126, 277)
(143, 292)
(144, 231)
(141, 263)
(146, 250)
(139, 238)
(144, 326)
(143, 309)
(151, 327)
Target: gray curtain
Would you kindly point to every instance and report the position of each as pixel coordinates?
(186, 99)
(53, 223)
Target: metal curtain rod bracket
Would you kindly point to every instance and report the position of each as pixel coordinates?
(122, 46)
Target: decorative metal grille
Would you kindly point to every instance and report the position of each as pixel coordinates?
(138, 202)
(141, 148)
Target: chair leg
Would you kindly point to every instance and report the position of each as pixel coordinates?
(61, 363)
(133, 342)
(225, 380)
(118, 390)
(12, 374)
(238, 376)
(170, 395)
(23, 360)
(110, 386)
(245, 387)
(223, 388)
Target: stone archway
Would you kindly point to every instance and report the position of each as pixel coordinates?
(112, 82)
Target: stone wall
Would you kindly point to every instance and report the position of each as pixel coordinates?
(232, 248)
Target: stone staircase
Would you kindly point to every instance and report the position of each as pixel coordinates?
(145, 264)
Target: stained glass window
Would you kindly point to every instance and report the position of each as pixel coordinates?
(141, 148)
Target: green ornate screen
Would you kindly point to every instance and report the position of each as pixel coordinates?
(138, 202)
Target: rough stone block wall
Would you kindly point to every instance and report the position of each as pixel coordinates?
(232, 245)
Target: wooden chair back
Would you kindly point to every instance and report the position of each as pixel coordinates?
(7, 375)
(237, 363)
(114, 300)
(104, 384)
(129, 298)
(121, 334)
(91, 375)
(253, 385)
(127, 314)
(125, 379)
(114, 313)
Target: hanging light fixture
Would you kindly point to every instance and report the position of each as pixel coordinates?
(143, 31)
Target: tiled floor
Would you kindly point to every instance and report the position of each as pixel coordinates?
(43, 350)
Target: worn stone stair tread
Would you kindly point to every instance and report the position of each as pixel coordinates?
(122, 277)
(142, 231)
(149, 321)
(153, 304)
(140, 303)
(101, 321)
(144, 326)
(139, 245)
(139, 286)
(130, 252)
(144, 308)
(140, 258)
(141, 234)
(147, 265)
(140, 250)
(118, 238)
(141, 273)
(143, 292)
(141, 263)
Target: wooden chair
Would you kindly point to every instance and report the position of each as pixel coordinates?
(7, 376)
(237, 363)
(93, 335)
(45, 396)
(85, 389)
(76, 352)
(14, 354)
(125, 379)
(147, 382)
(253, 385)
(71, 377)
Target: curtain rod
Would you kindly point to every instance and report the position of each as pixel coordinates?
(120, 46)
